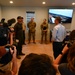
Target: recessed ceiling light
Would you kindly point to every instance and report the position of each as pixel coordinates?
(11, 2)
(43, 2)
(73, 3)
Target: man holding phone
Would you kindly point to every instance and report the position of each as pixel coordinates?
(5, 61)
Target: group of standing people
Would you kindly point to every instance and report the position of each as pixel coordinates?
(20, 28)
(58, 34)
(31, 33)
(43, 64)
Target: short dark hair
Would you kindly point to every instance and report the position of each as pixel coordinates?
(59, 19)
(19, 17)
(34, 64)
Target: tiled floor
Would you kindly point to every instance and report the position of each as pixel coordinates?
(36, 48)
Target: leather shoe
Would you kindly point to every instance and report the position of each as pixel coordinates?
(34, 42)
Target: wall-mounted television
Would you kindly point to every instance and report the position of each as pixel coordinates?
(65, 14)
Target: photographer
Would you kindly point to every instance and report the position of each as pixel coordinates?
(5, 61)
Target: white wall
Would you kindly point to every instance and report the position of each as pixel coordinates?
(0, 12)
(40, 14)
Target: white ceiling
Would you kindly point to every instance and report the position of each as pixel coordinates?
(37, 3)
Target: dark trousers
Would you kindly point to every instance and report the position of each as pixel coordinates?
(57, 48)
(31, 34)
(50, 35)
(23, 37)
(19, 48)
(3, 41)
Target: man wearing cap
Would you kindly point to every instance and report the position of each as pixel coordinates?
(19, 36)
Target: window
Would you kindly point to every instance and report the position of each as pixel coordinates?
(29, 15)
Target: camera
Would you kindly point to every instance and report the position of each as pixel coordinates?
(6, 56)
(8, 48)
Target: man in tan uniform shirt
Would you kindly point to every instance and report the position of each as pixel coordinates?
(31, 25)
(44, 30)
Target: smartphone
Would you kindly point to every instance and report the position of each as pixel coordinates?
(7, 49)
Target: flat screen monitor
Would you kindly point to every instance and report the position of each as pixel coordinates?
(65, 14)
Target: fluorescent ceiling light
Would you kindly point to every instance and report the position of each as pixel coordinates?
(73, 3)
(11, 2)
(43, 2)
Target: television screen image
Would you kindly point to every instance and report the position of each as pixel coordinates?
(65, 14)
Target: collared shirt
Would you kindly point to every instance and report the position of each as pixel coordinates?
(31, 26)
(58, 33)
